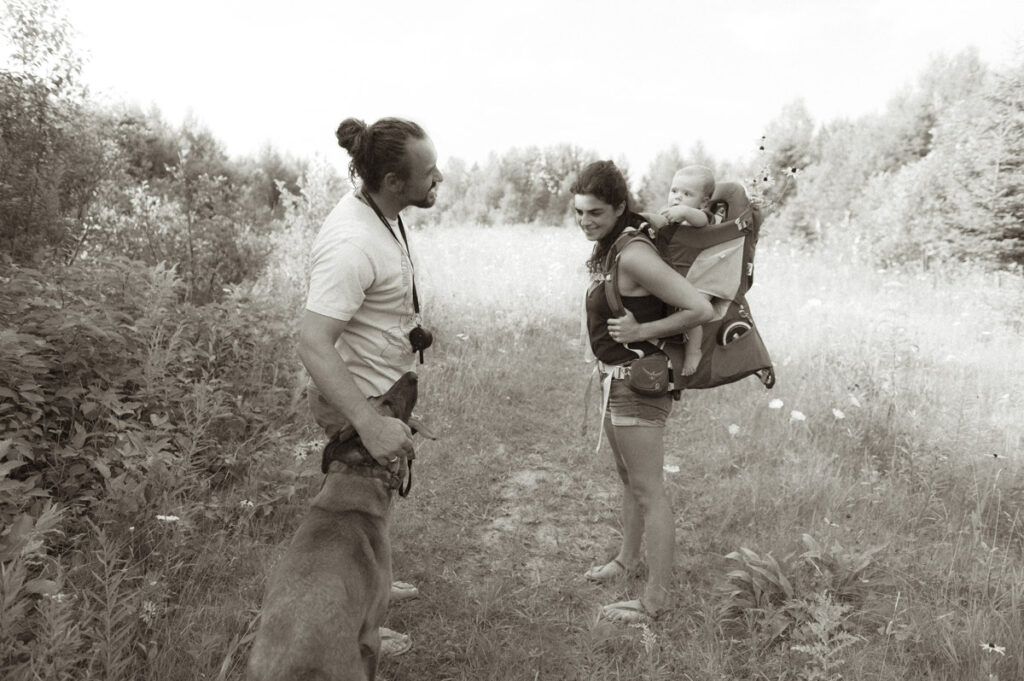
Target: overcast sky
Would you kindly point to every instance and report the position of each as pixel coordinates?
(623, 77)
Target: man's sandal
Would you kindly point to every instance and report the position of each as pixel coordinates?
(607, 572)
(392, 643)
(401, 591)
(629, 612)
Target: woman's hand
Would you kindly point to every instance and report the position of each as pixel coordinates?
(625, 329)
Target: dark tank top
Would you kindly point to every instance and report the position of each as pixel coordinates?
(644, 308)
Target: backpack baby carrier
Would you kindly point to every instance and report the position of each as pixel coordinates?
(719, 261)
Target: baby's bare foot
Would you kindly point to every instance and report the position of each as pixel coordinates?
(690, 364)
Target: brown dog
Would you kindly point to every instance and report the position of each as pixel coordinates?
(326, 598)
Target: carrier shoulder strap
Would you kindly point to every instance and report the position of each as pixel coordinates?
(611, 264)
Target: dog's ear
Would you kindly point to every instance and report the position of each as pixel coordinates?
(401, 397)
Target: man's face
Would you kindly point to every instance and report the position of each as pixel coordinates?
(420, 188)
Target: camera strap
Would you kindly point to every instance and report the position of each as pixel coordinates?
(401, 227)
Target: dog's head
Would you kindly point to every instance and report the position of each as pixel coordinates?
(346, 446)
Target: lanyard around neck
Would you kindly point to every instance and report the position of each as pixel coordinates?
(370, 202)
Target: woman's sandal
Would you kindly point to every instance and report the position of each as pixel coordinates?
(629, 612)
(607, 572)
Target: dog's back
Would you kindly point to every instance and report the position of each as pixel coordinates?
(327, 597)
(325, 600)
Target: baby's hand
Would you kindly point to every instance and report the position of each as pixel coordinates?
(656, 220)
(675, 214)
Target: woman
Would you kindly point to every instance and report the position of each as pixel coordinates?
(634, 425)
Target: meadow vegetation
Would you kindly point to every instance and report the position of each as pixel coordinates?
(861, 520)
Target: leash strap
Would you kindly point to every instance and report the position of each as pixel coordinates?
(401, 227)
(408, 483)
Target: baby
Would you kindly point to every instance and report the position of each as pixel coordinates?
(688, 197)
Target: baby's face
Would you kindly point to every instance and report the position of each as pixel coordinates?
(686, 190)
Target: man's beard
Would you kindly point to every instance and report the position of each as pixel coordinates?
(426, 201)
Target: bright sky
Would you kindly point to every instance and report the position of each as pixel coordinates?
(624, 78)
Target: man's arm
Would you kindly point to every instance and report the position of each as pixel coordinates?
(384, 437)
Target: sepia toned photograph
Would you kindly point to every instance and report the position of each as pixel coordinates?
(528, 341)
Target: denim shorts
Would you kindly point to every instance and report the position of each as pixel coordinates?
(626, 408)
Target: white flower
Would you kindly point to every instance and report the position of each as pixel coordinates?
(671, 468)
(797, 416)
(775, 404)
(734, 430)
(168, 518)
(854, 401)
(993, 648)
(838, 413)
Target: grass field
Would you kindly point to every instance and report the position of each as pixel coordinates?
(879, 504)
(860, 519)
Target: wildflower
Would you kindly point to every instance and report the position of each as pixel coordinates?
(734, 430)
(168, 518)
(671, 468)
(245, 503)
(149, 612)
(647, 637)
(797, 416)
(775, 404)
(854, 401)
(838, 413)
(993, 648)
(462, 336)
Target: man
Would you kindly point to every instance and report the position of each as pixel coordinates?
(361, 327)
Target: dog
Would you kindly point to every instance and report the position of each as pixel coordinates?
(326, 598)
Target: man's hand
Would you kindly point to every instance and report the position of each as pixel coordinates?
(386, 439)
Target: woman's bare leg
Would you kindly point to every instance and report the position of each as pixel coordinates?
(640, 456)
(632, 517)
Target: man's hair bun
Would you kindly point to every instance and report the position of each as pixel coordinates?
(349, 132)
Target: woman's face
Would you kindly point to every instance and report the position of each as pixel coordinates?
(595, 217)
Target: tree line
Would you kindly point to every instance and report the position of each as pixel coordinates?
(936, 176)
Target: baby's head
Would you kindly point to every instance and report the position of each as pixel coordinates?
(691, 186)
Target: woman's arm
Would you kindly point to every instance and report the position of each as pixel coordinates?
(641, 272)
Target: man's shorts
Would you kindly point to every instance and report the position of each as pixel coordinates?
(626, 408)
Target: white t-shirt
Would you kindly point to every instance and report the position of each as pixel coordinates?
(360, 274)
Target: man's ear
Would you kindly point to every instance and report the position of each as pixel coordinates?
(393, 183)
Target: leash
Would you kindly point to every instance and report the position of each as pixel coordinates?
(408, 482)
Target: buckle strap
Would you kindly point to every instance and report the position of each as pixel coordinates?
(613, 370)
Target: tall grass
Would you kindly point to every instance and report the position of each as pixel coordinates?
(860, 519)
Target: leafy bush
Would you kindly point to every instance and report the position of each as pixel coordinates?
(114, 391)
